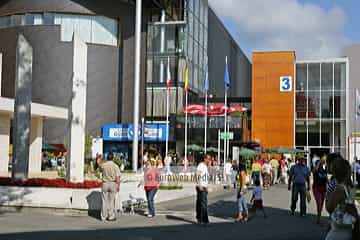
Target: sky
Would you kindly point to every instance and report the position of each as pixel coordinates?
(313, 28)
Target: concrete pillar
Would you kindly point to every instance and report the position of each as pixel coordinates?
(77, 113)
(36, 134)
(4, 142)
(0, 72)
(22, 108)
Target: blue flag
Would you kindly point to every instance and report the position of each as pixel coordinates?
(206, 80)
(227, 77)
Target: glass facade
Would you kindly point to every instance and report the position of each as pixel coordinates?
(181, 41)
(321, 105)
(91, 29)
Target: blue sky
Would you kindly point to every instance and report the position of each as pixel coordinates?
(313, 28)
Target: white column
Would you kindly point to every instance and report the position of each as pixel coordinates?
(135, 146)
(77, 113)
(4, 142)
(36, 134)
(0, 71)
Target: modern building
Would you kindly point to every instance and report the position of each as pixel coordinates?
(302, 104)
(181, 32)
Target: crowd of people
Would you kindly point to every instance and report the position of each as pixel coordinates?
(334, 193)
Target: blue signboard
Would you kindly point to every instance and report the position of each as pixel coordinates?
(125, 132)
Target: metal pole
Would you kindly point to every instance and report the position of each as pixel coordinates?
(206, 112)
(225, 123)
(228, 140)
(167, 117)
(135, 150)
(186, 130)
(142, 142)
(219, 143)
(162, 44)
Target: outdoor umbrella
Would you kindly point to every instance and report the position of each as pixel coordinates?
(280, 150)
(283, 150)
(48, 147)
(212, 150)
(246, 153)
(195, 148)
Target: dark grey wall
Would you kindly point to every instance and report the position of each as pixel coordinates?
(353, 53)
(110, 69)
(220, 45)
(52, 72)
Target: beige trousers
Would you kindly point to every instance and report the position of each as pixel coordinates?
(108, 201)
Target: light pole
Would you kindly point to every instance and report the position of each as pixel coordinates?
(135, 145)
(142, 142)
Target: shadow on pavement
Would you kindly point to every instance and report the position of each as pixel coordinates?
(280, 226)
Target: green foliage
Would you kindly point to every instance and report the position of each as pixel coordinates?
(120, 162)
(61, 172)
(50, 155)
(88, 144)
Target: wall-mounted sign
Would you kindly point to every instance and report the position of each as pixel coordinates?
(286, 84)
(125, 132)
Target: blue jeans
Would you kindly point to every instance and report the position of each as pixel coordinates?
(299, 188)
(150, 200)
(242, 203)
(202, 206)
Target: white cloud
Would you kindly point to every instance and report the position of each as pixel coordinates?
(312, 31)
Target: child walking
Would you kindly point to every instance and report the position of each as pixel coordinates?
(256, 199)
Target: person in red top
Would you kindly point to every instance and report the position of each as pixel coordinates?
(151, 184)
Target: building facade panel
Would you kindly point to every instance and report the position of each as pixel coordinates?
(220, 45)
(272, 110)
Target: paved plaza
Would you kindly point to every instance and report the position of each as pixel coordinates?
(175, 220)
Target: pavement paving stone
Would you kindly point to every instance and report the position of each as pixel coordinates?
(175, 220)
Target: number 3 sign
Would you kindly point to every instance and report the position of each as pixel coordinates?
(285, 84)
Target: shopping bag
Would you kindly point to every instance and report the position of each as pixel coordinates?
(308, 196)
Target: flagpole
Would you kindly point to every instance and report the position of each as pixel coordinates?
(167, 112)
(206, 113)
(186, 129)
(225, 120)
(219, 144)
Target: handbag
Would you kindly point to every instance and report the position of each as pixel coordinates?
(340, 216)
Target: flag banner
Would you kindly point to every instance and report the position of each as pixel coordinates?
(168, 81)
(206, 80)
(357, 102)
(227, 77)
(186, 78)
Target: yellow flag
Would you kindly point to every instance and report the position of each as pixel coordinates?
(186, 78)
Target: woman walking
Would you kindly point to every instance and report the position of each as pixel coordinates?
(242, 195)
(340, 205)
(266, 169)
(152, 182)
(319, 186)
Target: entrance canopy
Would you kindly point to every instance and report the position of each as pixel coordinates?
(37, 110)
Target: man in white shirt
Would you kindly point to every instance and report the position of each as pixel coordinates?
(228, 174)
(202, 177)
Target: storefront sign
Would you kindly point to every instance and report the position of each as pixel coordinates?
(125, 132)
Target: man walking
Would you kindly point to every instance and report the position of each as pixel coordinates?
(299, 176)
(202, 176)
(228, 174)
(111, 185)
